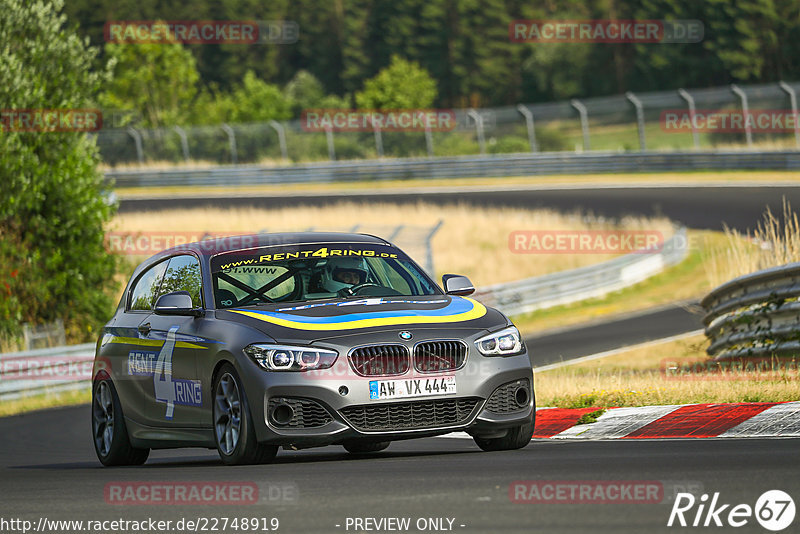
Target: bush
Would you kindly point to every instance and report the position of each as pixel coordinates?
(551, 140)
(509, 145)
(52, 211)
(455, 144)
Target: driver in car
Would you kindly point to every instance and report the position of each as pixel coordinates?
(343, 273)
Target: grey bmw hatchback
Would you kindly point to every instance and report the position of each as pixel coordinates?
(252, 343)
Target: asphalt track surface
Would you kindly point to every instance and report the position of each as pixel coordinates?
(709, 207)
(48, 469)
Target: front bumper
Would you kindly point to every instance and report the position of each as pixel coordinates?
(344, 411)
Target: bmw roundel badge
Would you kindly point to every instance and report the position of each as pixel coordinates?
(405, 334)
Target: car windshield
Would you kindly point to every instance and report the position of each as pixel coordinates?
(314, 272)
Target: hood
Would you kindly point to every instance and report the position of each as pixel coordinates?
(332, 318)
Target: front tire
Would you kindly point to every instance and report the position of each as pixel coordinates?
(111, 441)
(233, 426)
(516, 438)
(365, 447)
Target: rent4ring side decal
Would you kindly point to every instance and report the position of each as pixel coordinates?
(168, 390)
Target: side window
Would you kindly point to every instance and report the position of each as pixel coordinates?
(253, 277)
(183, 274)
(143, 295)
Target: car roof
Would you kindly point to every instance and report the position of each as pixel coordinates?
(220, 245)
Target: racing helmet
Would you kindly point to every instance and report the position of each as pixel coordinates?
(342, 273)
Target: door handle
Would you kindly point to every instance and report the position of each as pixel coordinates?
(144, 329)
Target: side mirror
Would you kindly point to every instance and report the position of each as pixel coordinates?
(455, 284)
(176, 303)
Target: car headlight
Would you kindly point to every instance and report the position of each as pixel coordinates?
(289, 358)
(506, 342)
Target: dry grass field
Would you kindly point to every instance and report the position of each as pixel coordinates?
(641, 377)
(776, 241)
(471, 241)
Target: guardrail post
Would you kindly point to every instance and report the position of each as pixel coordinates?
(428, 139)
(137, 140)
(748, 133)
(378, 138)
(479, 128)
(278, 127)
(578, 105)
(793, 102)
(529, 123)
(184, 142)
(396, 232)
(684, 94)
(429, 247)
(331, 147)
(231, 142)
(639, 118)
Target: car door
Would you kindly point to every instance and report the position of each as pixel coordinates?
(126, 346)
(175, 396)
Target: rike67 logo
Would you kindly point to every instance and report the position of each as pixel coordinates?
(774, 510)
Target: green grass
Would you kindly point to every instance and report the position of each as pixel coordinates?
(626, 137)
(590, 417)
(44, 401)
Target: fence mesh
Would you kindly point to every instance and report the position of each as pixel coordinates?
(611, 125)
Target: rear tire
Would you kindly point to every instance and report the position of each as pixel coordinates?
(516, 438)
(109, 433)
(365, 447)
(234, 431)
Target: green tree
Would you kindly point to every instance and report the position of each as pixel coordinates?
(156, 80)
(401, 85)
(305, 91)
(744, 36)
(464, 45)
(253, 100)
(52, 212)
(256, 101)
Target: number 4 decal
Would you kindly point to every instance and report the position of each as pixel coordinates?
(163, 386)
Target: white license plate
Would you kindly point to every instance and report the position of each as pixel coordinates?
(411, 387)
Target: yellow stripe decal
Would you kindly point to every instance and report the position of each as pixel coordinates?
(153, 343)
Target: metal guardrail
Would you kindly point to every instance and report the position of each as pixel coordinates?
(540, 292)
(51, 370)
(57, 369)
(755, 316)
(459, 167)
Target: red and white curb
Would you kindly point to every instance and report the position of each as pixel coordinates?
(740, 420)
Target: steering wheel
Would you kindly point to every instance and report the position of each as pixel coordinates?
(353, 290)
